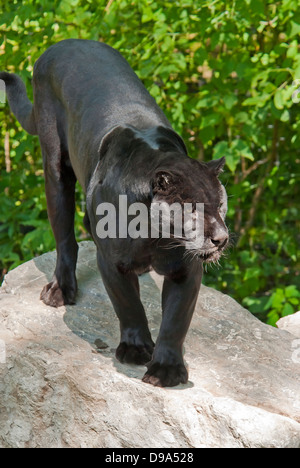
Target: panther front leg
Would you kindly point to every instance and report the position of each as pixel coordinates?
(136, 345)
(60, 183)
(179, 296)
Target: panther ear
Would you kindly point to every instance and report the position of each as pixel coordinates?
(216, 165)
(119, 137)
(107, 140)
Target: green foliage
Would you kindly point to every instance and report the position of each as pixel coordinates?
(225, 73)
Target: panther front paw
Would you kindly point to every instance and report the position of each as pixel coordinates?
(53, 295)
(134, 354)
(166, 375)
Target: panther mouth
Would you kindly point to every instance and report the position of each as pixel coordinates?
(210, 256)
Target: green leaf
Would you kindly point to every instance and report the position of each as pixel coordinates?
(229, 101)
(294, 301)
(65, 6)
(292, 291)
(210, 120)
(285, 116)
(220, 150)
(242, 149)
(295, 29)
(258, 101)
(147, 15)
(232, 160)
(287, 310)
(292, 50)
(272, 318)
(251, 273)
(279, 100)
(241, 117)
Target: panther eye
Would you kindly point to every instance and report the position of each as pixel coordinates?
(220, 205)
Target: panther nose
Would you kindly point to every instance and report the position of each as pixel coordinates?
(220, 239)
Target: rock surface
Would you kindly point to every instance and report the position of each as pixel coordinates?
(290, 323)
(59, 389)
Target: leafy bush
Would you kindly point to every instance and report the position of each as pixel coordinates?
(225, 74)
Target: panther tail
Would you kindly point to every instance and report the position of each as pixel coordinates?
(18, 101)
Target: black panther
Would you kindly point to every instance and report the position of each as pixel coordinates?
(98, 124)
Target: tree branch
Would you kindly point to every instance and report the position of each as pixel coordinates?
(260, 186)
(7, 152)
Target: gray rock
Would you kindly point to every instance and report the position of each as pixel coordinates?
(60, 389)
(290, 323)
